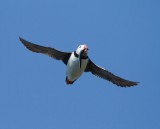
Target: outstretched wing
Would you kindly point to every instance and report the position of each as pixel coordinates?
(52, 52)
(102, 73)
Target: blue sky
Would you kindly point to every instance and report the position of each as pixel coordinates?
(123, 36)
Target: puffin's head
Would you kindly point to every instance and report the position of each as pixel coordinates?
(82, 50)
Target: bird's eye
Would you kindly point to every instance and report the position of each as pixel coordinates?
(79, 46)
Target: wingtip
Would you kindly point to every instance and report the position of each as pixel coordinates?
(20, 38)
(136, 83)
(130, 84)
(23, 41)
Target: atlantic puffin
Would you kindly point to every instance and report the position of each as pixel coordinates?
(78, 62)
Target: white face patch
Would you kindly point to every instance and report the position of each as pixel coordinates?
(81, 48)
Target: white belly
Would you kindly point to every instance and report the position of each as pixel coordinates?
(73, 68)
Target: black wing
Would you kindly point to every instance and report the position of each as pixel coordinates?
(102, 73)
(56, 54)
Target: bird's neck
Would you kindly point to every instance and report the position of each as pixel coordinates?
(83, 57)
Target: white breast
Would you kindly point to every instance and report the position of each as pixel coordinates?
(73, 67)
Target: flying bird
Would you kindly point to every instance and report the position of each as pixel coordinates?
(78, 62)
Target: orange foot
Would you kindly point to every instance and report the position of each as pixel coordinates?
(68, 81)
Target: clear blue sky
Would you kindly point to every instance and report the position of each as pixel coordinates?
(123, 36)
